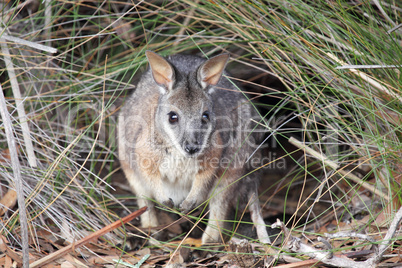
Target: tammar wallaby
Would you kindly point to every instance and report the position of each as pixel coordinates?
(185, 136)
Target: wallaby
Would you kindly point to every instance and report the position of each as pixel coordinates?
(185, 136)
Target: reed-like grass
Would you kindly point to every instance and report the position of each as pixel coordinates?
(326, 73)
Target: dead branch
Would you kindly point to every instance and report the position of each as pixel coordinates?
(386, 242)
(350, 235)
(294, 244)
(63, 251)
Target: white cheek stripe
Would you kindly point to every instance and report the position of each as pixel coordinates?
(173, 138)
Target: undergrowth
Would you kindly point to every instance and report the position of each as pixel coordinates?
(325, 73)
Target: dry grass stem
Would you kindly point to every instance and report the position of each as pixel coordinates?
(19, 103)
(27, 43)
(326, 162)
(18, 182)
(370, 80)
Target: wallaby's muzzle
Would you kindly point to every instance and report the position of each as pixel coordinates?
(193, 144)
(191, 149)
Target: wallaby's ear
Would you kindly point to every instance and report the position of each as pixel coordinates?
(162, 71)
(211, 71)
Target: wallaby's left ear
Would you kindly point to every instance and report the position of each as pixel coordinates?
(211, 71)
(162, 72)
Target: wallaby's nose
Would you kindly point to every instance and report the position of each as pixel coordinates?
(191, 148)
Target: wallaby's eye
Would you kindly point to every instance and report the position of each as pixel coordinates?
(173, 117)
(205, 117)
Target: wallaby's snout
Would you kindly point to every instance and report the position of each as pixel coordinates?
(197, 131)
(191, 148)
(194, 143)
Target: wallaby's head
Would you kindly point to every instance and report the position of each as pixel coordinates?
(185, 114)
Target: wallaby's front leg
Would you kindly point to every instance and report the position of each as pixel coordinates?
(159, 191)
(146, 189)
(148, 218)
(198, 194)
(219, 206)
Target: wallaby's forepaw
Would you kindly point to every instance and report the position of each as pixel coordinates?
(187, 205)
(168, 203)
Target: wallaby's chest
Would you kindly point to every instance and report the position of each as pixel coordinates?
(178, 174)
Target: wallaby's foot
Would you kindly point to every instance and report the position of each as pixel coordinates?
(212, 236)
(168, 203)
(262, 234)
(210, 241)
(188, 205)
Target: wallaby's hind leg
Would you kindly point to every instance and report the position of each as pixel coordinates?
(257, 219)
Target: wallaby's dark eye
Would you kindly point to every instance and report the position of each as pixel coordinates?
(173, 117)
(205, 116)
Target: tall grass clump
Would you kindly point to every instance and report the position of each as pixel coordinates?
(324, 74)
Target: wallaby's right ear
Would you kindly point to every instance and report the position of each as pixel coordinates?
(211, 71)
(162, 71)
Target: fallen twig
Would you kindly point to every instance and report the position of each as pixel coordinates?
(385, 243)
(395, 28)
(350, 235)
(295, 245)
(63, 251)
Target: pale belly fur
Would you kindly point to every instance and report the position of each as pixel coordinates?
(178, 174)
